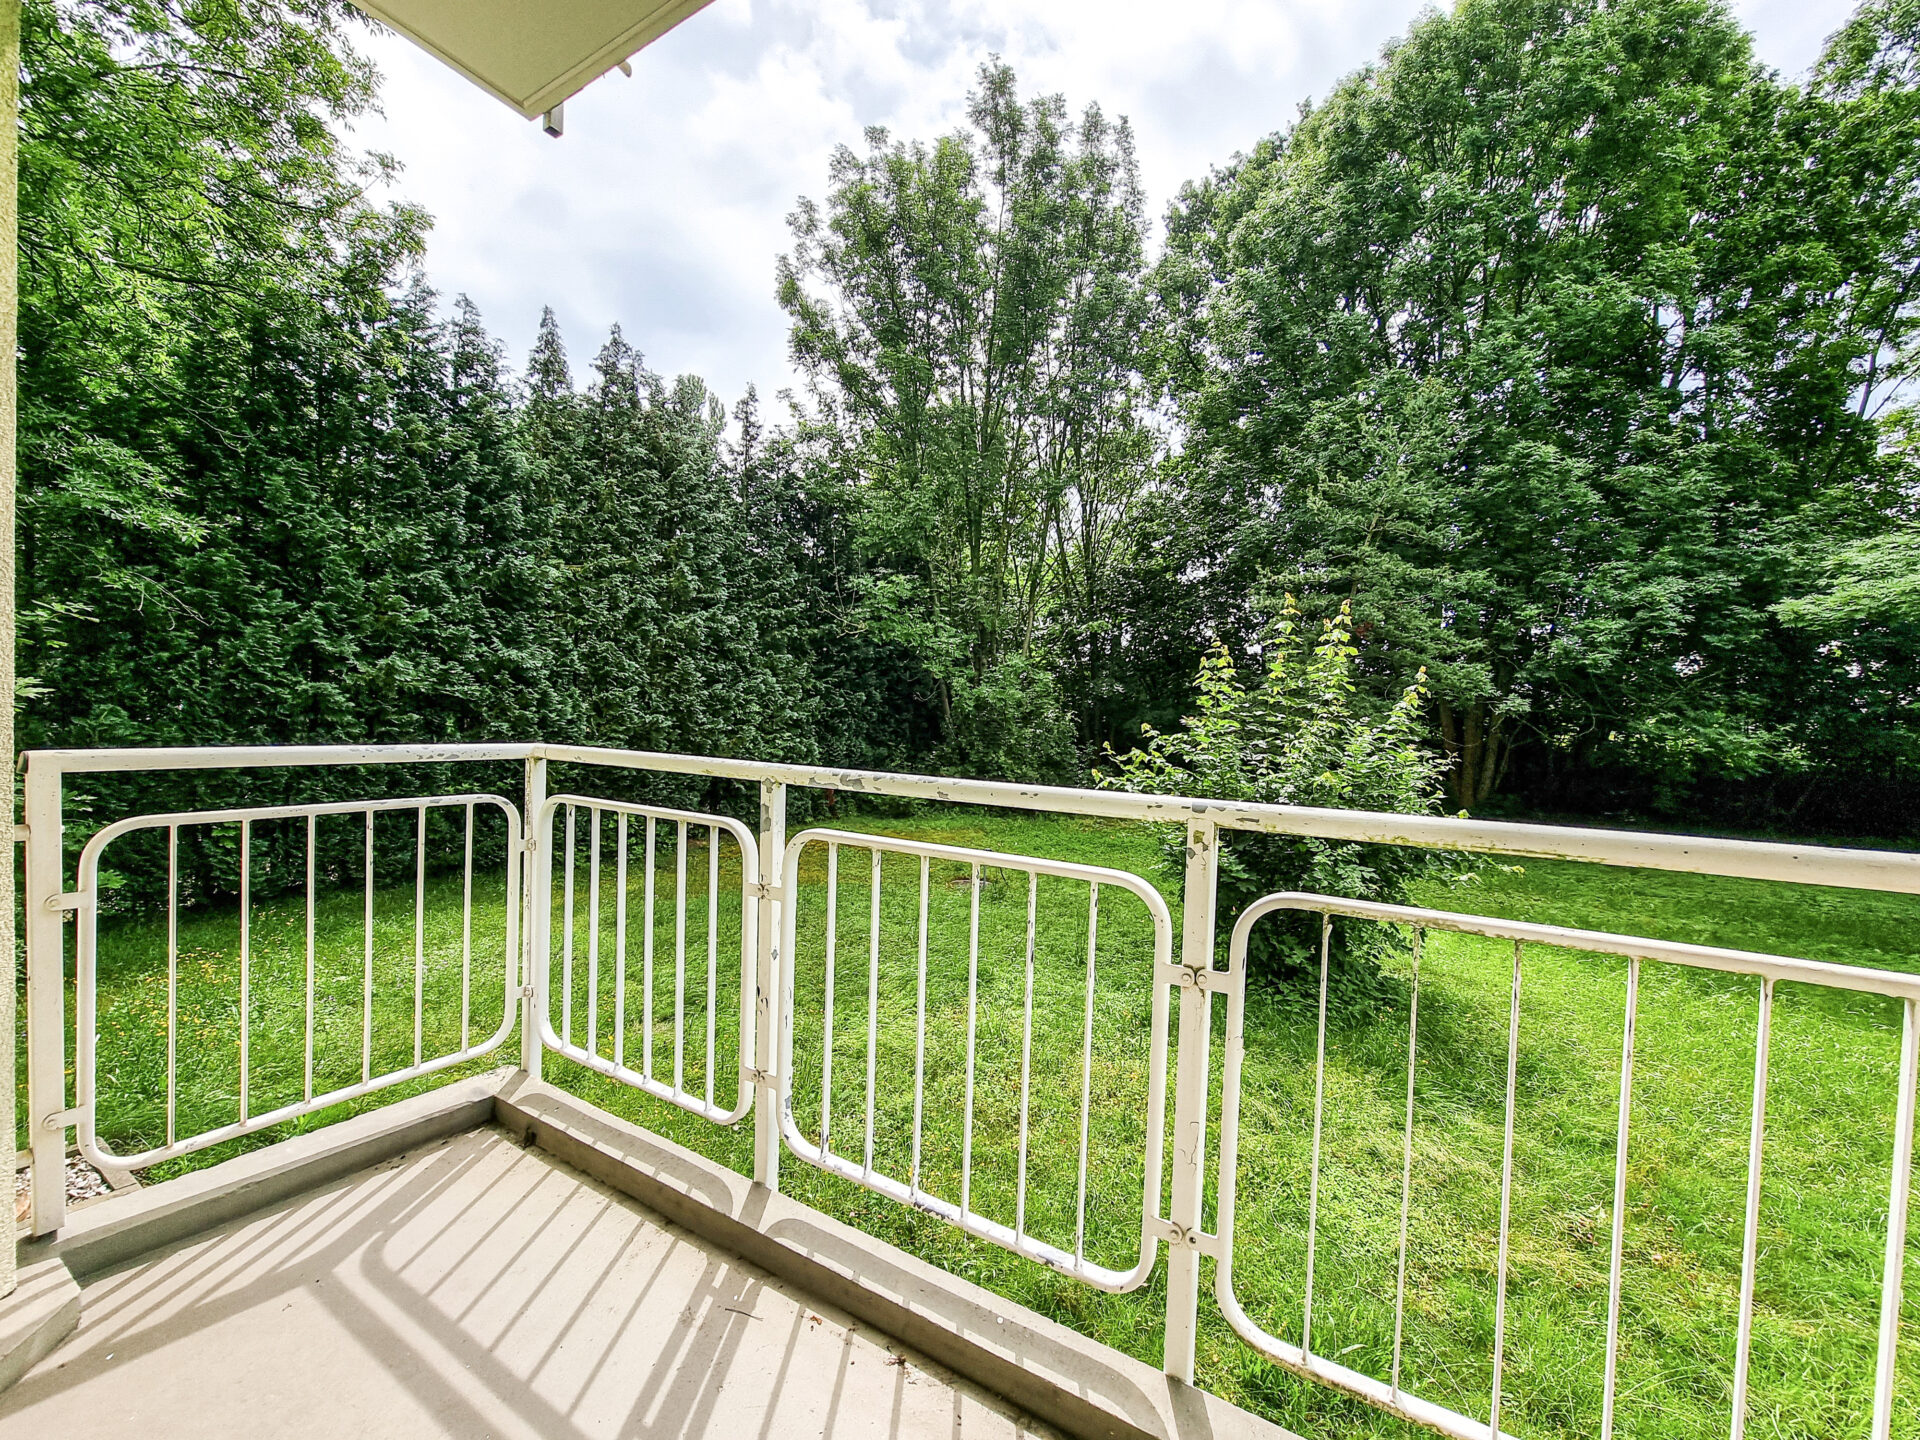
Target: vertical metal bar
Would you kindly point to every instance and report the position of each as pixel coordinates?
(769, 991)
(516, 960)
(1615, 1265)
(466, 934)
(593, 933)
(366, 979)
(173, 975)
(419, 929)
(919, 1037)
(46, 994)
(1319, 1116)
(1899, 1195)
(833, 957)
(713, 944)
(873, 1003)
(9, 475)
(313, 847)
(1198, 908)
(246, 956)
(566, 943)
(780, 1092)
(86, 1021)
(1232, 1063)
(1506, 1195)
(1026, 1060)
(536, 903)
(1406, 1160)
(1750, 1245)
(620, 940)
(973, 1012)
(679, 957)
(1086, 1074)
(646, 957)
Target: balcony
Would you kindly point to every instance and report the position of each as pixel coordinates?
(970, 1053)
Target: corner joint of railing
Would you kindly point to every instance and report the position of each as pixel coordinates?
(1196, 977)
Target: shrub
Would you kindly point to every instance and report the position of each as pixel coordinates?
(1009, 724)
(1297, 735)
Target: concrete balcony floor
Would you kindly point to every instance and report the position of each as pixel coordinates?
(496, 1258)
(476, 1287)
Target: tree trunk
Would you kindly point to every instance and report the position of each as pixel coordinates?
(1478, 751)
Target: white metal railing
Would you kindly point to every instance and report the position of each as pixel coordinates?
(913, 1189)
(86, 902)
(1770, 970)
(762, 1038)
(591, 1054)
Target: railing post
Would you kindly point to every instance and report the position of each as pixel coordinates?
(1190, 1098)
(46, 998)
(9, 398)
(535, 932)
(766, 987)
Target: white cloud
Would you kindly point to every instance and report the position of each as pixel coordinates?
(664, 206)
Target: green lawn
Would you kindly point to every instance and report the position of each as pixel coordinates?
(1830, 1130)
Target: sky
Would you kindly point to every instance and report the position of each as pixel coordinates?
(664, 206)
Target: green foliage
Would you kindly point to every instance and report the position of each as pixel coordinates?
(1298, 734)
(1869, 582)
(1565, 341)
(1561, 337)
(270, 493)
(974, 343)
(656, 636)
(181, 170)
(1862, 610)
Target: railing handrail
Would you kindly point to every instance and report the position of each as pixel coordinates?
(1895, 984)
(1842, 867)
(1388, 1395)
(1141, 889)
(263, 757)
(106, 835)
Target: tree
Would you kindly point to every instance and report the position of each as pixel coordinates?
(273, 494)
(660, 634)
(181, 171)
(976, 351)
(863, 708)
(1553, 342)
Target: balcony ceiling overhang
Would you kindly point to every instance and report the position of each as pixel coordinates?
(532, 54)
